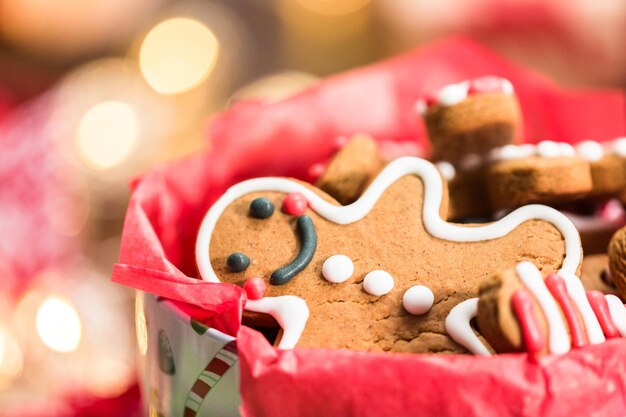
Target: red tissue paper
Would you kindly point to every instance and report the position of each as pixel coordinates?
(286, 138)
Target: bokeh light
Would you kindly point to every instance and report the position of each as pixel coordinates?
(177, 55)
(11, 359)
(58, 324)
(107, 134)
(333, 7)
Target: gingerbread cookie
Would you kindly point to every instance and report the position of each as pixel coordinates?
(617, 260)
(385, 273)
(522, 309)
(596, 275)
(608, 165)
(547, 173)
(351, 169)
(471, 117)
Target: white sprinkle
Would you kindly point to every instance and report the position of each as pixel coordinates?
(337, 268)
(548, 149)
(378, 283)
(446, 169)
(452, 94)
(418, 300)
(619, 147)
(590, 150)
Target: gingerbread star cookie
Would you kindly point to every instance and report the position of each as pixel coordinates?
(385, 273)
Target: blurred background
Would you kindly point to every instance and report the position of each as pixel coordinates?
(93, 93)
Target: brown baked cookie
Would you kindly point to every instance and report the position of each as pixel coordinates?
(522, 309)
(471, 117)
(608, 166)
(549, 172)
(596, 275)
(351, 169)
(467, 191)
(383, 274)
(617, 260)
(596, 223)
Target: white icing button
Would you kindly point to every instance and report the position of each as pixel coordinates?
(548, 149)
(418, 300)
(446, 169)
(421, 107)
(337, 268)
(590, 150)
(567, 149)
(619, 147)
(452, 94)
(378, 283)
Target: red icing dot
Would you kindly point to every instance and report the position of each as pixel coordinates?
(317, 170)
(486, 85)
(430, 100)
(255, 288)
(295, 204)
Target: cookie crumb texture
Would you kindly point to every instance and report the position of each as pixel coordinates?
(391, 238)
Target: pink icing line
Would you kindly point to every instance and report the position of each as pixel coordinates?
(557, 287)
(601, 309)
(523, 307)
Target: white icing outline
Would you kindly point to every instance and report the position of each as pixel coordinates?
(458, 327)
(290, 312)
(432, 221)
(617, 310)
(559, 341)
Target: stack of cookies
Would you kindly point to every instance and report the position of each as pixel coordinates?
(477, 250)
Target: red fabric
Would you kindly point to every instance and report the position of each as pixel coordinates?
(285, 139)
(303, 382)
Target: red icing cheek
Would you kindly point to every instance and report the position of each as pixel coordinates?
(295, 204)
(255, 288)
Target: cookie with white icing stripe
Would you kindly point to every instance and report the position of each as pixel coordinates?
(523, 309)
(537, 179)
(394, 238)
(471, 117)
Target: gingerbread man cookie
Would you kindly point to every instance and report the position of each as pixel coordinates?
(385, 273)
(522, 310)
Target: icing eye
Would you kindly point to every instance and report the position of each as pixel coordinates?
(237, 262)
(261, 208)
